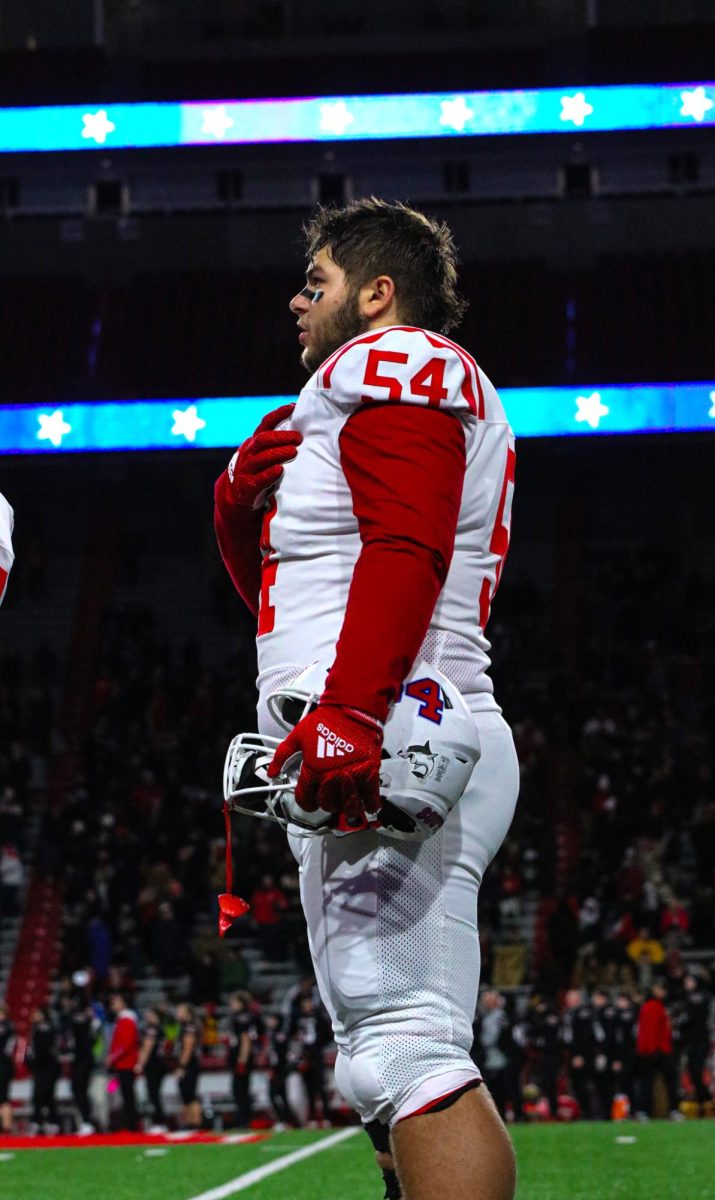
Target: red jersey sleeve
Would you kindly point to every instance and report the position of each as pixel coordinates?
(238, 532)
(405, 468)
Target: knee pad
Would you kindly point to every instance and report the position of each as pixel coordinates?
(379, 1135)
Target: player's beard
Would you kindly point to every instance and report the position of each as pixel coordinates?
(345, 324)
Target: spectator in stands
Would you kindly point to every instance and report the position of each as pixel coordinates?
(234, 972)
(7, 1069)
(188, 1065)
(100, 947)
(511, 888)
(674, 922)
(44, 1063)
(167, 942)
(12, 877)
(647, 953)
(243, 1035)
(310, 1034)
(146, 799)
(589, 918)
(629, 877)
(83, 1029)
(152, 1065)
(654, 1048)
(693, 1028)
(204, 977)
(268, 903)
(11, 813)
(123, 1057)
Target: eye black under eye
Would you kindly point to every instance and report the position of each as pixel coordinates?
(312, 294)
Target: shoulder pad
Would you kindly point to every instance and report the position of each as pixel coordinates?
(404, 365)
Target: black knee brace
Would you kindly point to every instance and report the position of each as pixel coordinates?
(379, 1135)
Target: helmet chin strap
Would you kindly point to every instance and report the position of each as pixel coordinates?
(230, 907)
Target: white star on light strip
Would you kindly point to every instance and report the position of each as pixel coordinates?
(590, 409)
(187, 422)
(335, 118)
(53, 427)
(97, 126)
(711, 412)
(575, 108)
(695, 104)
(217, 121)
(455, 113)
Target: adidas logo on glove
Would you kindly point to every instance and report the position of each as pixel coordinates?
(330, 745)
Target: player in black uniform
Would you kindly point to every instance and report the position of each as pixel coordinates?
(152, 1065)
(603, 1016)
(692, 1021)
(544, 1035)
(7, 1070)
(516, 1057)
(276, 1042)
(44, 1063)
(311, 1031)
(83, 1029)
(577, 1038)
(623, 1047)
(188, 1054)
(243, 1033)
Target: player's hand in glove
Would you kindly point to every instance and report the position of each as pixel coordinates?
(258, 463)
(341, 750)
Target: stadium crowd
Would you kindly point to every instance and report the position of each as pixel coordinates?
(597, 923)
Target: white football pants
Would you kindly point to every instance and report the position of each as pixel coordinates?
(393, 934)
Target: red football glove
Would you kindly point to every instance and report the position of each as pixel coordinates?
(341, 750)
(258, 463)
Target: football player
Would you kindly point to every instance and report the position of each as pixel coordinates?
(366, 528)
(6, 553)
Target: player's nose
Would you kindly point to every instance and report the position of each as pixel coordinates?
(299, 304)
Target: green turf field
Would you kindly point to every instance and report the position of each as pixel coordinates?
(556, 1162)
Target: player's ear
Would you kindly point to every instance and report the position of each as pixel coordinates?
(377, 297)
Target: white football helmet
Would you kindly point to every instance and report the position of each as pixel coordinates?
(429, 750)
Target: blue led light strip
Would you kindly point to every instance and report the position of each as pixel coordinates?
(346, 118)
(208, 423)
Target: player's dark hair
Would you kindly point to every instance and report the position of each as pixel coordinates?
(372, 237)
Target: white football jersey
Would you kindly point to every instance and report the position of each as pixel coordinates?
(310, 539)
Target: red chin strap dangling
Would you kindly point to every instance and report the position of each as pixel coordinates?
(230, 907)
